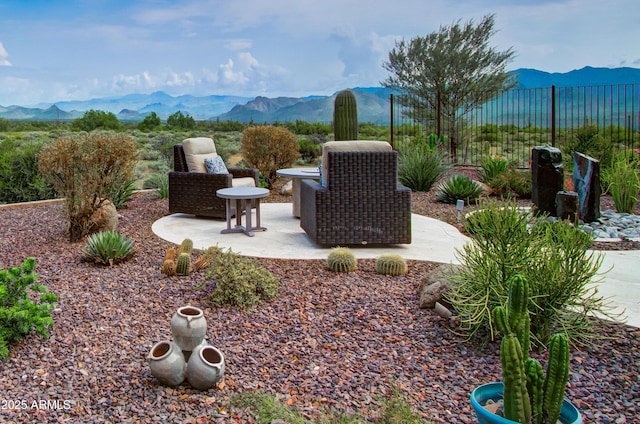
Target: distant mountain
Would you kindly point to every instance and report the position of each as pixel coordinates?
(373, 102)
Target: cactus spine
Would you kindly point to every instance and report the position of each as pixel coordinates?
(341, 259)
(527, 390)
(345, 116)
(183, 264)
(390, 264)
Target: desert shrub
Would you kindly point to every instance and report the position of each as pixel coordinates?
(237, 280)
(108, 248)
(492, 167)
(96, 120)
(553, 257)
(420, 167)
(512, 181)
(458, 187)
(150, 122)
(269, 148)
(20, 180)
(83, 169)
(622, 181)
(159, 182)
(179, 120)
(589, 141)
(19, 315)
(309, 150)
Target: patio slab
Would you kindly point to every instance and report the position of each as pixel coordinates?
(432, 240)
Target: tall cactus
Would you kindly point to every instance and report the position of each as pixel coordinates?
(527, 390)
(345, 116)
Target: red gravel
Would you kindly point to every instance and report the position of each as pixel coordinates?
(328, 340)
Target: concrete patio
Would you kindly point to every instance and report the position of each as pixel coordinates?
(432, 240)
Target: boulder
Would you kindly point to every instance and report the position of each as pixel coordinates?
(434, 285)
(287, 189)
(105, 218)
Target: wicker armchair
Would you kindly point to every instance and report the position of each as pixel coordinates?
(362, 204)
(195, 192)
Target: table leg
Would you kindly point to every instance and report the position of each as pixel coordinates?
(295, 194)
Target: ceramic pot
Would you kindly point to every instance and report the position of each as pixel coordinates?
(205, 367)
(188, 327)
(167, 363)
(569, 414)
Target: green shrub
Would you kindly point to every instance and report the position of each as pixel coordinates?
(309, 151)
(623, 182)
(553, 257)
(237, 280)
(96, 120)
(20, 180)
(589, 141)
(159, 182)
(19, 315)
(512, 180)
(108, 248)
(420, 167)
(492, 167)
(269, 148)
(82, 169)
(458, 187)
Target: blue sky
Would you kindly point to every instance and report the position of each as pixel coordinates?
(53, 50)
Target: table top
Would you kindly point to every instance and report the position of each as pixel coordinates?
(312, 173)
(242, 193)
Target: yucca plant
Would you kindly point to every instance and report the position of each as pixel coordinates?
(420, 167)
(108, 248)
(492, 166)
(160, 182)
(458, 187)
(623, 182)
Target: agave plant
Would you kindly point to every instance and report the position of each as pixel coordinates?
(458, 187)
(108, 248)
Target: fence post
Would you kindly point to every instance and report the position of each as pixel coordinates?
(391, 119)
(553, 116)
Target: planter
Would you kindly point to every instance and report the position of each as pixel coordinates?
(188, 327)
(205, 368)
(569, 414)
(167, 363)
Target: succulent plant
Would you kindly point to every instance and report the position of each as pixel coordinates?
(186, 246)
(183, 264)
(391, 264)
(528, 391)
(458, 187)
(341, 259)
(108, 248)
(345, 116)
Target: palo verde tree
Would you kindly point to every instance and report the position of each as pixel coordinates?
(449, 72)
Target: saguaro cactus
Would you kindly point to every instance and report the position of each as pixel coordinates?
(345, 116)
(527, 390)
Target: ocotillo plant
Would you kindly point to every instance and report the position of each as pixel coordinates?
(345, 116)
(527, 390)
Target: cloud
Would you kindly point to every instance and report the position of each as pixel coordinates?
(3, 56)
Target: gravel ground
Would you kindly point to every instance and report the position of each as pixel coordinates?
(328, 341)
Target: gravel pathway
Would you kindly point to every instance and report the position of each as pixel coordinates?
(328, 340)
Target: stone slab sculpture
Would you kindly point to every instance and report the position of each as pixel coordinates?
(547, 178)
(586, 182)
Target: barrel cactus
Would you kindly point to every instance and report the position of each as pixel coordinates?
(186, 246)
(345, 116)
(341, 259)
(183, 264)
(390, 264)
(528, 391)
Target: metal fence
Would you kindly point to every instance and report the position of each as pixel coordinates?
(509, 123)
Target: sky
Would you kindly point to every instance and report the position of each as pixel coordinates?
(52, 50)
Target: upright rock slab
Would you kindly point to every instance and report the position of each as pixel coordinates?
(547, 178)
(586, 182)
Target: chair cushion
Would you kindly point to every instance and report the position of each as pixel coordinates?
(349, 146)
(215, 165)
(243, 182)
(196, 150)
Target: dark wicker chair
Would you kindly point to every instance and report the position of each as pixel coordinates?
(363, 203)
(195, 192)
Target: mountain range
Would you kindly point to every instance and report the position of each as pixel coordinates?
(373, 102)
